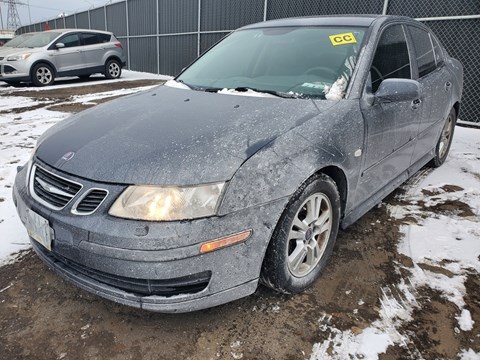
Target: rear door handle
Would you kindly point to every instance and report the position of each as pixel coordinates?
(416, 104)
(448, 86)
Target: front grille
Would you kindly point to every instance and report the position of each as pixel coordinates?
(144, 287)
(52, 190)
(90, 202)
(1, 58)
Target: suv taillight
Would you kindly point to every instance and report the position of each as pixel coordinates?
(119, 45)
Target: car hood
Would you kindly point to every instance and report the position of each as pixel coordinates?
(171, 136)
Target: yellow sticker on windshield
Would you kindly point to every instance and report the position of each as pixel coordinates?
(342, 39)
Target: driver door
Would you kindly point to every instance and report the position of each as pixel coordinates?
(390, 127)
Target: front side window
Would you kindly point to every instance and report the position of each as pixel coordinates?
(391, 58)
(423, 51)
(302, 61)
(70, 40)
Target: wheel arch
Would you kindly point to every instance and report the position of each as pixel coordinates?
(340, 179)
(456, 106)
(43, 61)
(113, 57)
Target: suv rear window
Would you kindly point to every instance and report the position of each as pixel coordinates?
(95, 38)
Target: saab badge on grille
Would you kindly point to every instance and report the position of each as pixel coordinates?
(68, 156)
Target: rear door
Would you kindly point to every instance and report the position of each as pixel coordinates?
(94, 48)
(391, 127)
(436, 81)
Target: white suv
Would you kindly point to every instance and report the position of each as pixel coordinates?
(56, 53)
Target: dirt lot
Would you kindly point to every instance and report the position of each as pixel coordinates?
(44, 317)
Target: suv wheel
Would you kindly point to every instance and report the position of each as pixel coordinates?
(113, 69)
(42, 75)
(304, 237)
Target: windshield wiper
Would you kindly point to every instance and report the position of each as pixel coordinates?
(193, 87)
(271, 92)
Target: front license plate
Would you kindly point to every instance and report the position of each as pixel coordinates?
(39, 229)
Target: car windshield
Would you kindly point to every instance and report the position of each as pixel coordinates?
(295, 61)
(40, 39)
(18, 40)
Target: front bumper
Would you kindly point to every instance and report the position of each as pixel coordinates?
(14, 70)
(85, 246)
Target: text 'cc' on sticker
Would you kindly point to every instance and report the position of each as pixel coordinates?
(342, 39)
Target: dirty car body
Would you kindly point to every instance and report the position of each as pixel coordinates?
(97, 195)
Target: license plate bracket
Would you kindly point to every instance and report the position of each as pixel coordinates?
(39, 229)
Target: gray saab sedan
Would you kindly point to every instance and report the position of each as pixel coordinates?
(242, 169)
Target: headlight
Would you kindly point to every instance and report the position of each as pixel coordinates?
(167, 203)
(18, 57)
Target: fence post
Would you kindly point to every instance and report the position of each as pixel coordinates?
(265, 5)
(105, 13)
(128, 34)
(89, 21)
(385, 7)
(75, 19)
(158, 39)
(199, 17)
(64, 22)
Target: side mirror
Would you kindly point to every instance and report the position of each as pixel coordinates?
(59, 45)
(395, 90)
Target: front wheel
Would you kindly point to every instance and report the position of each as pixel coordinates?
(445, 141)
(42, 75)
(304, 237)
(113, 69)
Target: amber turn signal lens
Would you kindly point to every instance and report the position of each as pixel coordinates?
(225, 241)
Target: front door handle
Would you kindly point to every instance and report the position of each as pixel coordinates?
(416, 104)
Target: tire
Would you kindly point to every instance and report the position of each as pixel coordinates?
(42, 75)
(113, 69)
(298, 252)
(445, 141)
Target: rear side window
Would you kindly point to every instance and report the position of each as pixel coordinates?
(103, 38)
(90, 39)
(423, 51)
(437, 50)
(391, 58)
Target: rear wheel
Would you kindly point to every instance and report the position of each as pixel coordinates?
(304, 237)
(113, 69)
(42, 75)
(445, 141)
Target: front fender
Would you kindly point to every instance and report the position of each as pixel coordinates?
(277, 170)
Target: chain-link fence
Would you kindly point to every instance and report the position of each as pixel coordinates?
(164, 36)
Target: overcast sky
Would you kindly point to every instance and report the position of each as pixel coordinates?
(41, 10)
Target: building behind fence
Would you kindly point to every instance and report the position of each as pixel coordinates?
(164, 36)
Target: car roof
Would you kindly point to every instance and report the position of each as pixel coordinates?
(333, 20)
(78, 30)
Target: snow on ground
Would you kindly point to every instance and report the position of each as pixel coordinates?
(127, 75)
(447, 239)
(450, 241)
